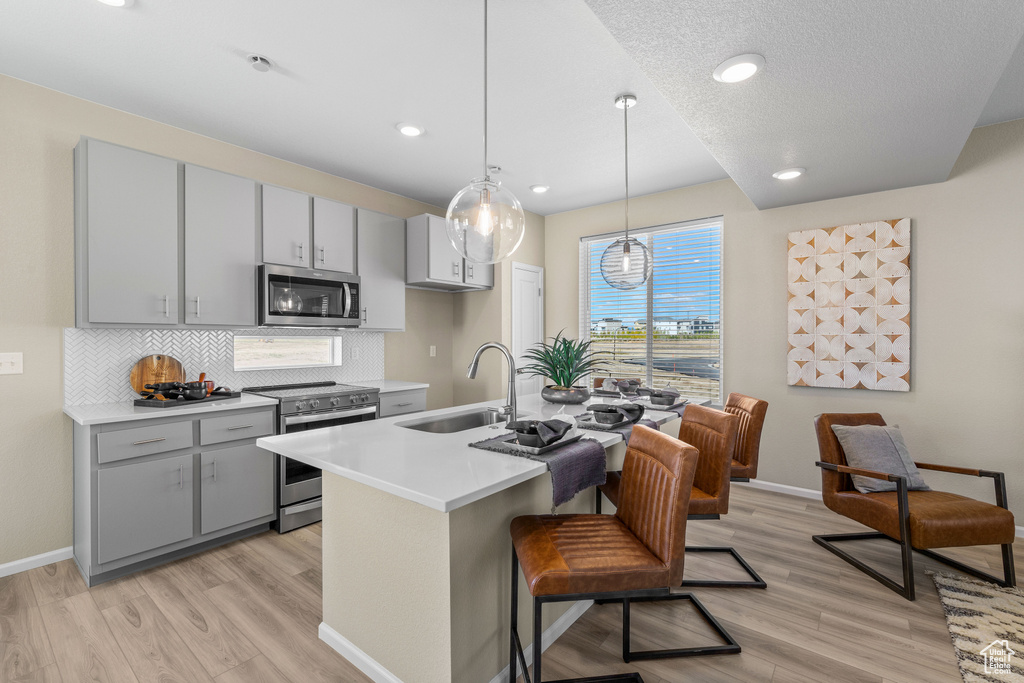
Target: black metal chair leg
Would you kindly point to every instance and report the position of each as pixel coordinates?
(1008, 580)
(538, 636)
(755, 582)
(826, 541)
(731, 647)
(597, 500)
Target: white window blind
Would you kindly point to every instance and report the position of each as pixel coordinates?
(667, 331)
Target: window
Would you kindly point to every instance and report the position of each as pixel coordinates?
(266, 353)
(667, 331)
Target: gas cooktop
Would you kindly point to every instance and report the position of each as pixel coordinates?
(310, 390)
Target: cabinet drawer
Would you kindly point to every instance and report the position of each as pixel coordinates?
(235, 427)
(132, 443)
(402, 402)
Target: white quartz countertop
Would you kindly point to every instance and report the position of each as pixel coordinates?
(440, 471)
(389, 386)
(99, 413)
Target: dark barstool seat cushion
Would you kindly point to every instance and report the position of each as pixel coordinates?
(563, 554)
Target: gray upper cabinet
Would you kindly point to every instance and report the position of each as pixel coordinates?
(220, 248)
(333, 236)
(237, 486)
(432, 262)
(143, 506)
(381, 264)
(126, 218)
(286, 227)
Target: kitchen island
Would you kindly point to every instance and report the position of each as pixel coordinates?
(416, 550)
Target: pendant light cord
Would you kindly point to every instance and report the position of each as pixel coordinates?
(486, 173)
(625, 124)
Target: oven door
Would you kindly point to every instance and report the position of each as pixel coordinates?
(300, 481)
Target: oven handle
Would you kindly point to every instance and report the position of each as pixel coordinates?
(323, 417)
(348, 299)
(305, 507)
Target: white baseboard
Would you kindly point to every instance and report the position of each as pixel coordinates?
(804, 493)
(362, 661)
(372, 668)
(27, 563)
(549, 636)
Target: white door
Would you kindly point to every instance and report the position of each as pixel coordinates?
(527, 320)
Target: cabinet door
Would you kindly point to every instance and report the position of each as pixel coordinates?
(143, 506)
(132, 226)
(443, 262)
(286, 227)
(220, 248)
(381, 262)
(237, 486)
(480, 274)
(333, 235)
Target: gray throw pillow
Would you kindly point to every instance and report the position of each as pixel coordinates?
(878, 448)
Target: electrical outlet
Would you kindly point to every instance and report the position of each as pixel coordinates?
(11, 364)
(355, 352)
(433, 351)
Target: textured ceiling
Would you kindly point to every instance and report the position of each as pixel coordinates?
(350, 71)
(867, 95)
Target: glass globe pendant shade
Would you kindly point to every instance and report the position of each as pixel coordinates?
(626, 263)
(485, 222)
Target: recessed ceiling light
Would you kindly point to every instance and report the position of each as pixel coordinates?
(260, 63)
(410, 129)
(539, 189)
(789, 173)
(739, 68)
(118, 3)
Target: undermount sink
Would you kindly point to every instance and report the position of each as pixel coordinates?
(454, 422)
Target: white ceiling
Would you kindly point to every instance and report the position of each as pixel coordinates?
(867, 95)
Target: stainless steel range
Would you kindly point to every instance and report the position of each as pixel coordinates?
(303, 407)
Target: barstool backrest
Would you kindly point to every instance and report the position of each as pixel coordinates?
(657, 477)
(751, 413)
(713, 433)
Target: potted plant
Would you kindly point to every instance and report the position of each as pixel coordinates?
(563, 361)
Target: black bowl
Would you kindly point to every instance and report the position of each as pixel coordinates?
(531, 440)
(194, 393)
(663, 399)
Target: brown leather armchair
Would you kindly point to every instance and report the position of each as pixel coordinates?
(751, 413)
(917, 520)
(713, 433)
(634, 555)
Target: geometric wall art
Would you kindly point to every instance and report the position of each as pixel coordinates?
(849, 306)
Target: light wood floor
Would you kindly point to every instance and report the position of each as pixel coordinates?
(249, 611)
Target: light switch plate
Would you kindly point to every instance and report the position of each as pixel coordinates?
(11, 364)
(433, 351)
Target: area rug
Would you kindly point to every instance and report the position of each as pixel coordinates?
(986, 624)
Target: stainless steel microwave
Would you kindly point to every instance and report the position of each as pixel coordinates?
(304, 297)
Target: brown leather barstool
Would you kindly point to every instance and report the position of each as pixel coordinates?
(634, 555)
(917, 520)
(751, 413)
(713, 433)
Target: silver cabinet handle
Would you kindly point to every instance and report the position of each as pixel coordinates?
(198, 313)
(231, 429)
(364, 314)
(139, 443)
(215, 470)
(455, 268)
(323, 255)
(403, 405)
(301, 257)
(469, 269)
(167, 307)
(181, 476)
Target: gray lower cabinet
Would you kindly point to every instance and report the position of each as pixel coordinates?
(381, 267)
(237, 485)
(151, 490)
(126, 229)
(402, 402)
(220, 248)
(143, 506)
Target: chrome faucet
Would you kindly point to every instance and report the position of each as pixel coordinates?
(510, 408)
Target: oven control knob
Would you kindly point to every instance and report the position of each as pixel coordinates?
(314, 403)
(301, 405)
(335, 402)
(364, 398)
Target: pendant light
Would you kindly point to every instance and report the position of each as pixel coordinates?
(485, 222)
(626, 263)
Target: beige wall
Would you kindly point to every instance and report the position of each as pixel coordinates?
(967, 326)
(38, 132)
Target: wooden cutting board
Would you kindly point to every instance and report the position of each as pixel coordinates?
(154, 370)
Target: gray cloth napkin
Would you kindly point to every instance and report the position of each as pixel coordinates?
(574, 467)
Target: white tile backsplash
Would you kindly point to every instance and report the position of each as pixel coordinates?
(97, 362)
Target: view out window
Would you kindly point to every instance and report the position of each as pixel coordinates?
(264, 353)
(668, 330)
